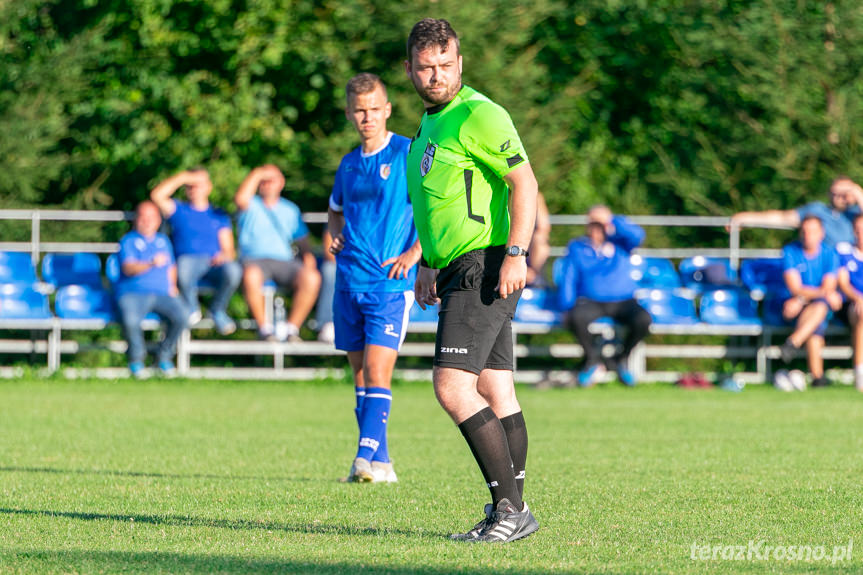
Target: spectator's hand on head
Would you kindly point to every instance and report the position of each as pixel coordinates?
(338, 244)
(197, 177)
(271, 175)
(602, 215)
(160, 260)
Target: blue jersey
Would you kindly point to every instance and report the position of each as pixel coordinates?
(269, 233)
(136, 248)
(371, 191)
(851, 260)
(838, 226)
(196, 232)
(601, 274)
(813, 269)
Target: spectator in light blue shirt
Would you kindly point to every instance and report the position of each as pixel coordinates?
(148, 283)
(851, 285)
(270, 228)
(596, 282)
(810, 267)
(203, 244)
(846, 199)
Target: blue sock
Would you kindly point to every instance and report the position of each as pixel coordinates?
(373, 421)
(358, 410)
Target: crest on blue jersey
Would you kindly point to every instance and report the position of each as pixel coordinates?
(428, 158)
(385, 171)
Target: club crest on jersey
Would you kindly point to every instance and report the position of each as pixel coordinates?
(428, 158)
(385, 171)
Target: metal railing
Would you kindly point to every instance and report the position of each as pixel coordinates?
(36, 246)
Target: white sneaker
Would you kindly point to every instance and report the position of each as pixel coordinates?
(195, 317)
(327, 334)
(798, 379)
(384, 472)
(361, 471)
(782, 381)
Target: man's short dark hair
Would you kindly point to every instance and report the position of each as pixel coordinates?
(811, 217)
(363, 84)
(430, 32)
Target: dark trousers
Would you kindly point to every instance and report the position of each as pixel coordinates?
(627, 313)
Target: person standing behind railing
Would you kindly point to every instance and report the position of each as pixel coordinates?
(203, 244)
(148, 283)
(850, 280)
(596, 281)
(810, 267)
(846, 200)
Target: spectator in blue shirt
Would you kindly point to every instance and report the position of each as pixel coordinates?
(269, 228)
(810, 267)
(203, 245)
(148, 283)
(846, 199)
(850, 280)
(596, 282)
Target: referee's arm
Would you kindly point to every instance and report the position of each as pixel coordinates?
(522, 215)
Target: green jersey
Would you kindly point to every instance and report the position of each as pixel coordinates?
(456, 166)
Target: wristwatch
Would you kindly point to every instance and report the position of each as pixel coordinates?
(516, 251)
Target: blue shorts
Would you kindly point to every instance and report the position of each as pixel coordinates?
(363, 319)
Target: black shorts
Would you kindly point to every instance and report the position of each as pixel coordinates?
(475, 325)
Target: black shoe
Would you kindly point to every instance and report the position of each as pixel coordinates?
(787, 351)
(507, 524)
(820, 382)
(478, 528)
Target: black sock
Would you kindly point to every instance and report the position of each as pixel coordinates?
(516, 437)
(487, 441)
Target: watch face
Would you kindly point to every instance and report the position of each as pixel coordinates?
(512, 250)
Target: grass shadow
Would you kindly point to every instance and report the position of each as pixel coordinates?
(233, 524)
(148, 474)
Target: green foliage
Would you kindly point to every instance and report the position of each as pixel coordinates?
(666, 107)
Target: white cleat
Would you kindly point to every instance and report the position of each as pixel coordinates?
(782, 381)
(798, 379)
(384, 472)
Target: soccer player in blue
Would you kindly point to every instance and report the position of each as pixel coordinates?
(376, 247)
(810, 267)
(850, 279)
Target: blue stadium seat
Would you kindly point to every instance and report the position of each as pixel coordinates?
(762, 276)
(537, 306)
(771, 313)
(17, 268)
(701, 273)
(732, 306)
(21, 301)
(84, 302)
(112, 268)
(72, 269)
(654, 272)
(668, 307)
(418, 315)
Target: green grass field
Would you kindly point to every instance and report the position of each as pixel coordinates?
(172, 477)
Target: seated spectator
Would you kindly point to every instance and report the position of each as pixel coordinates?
(597, 272)
(810, 267)
(203, 245)
(846, 199)
(850, 278)
(539, 248)
(148, 283)
(269, 228)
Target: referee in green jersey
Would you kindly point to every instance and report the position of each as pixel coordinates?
(474, 200)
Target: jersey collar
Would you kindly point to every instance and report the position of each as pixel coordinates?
(379, 150)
